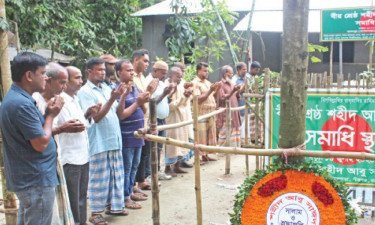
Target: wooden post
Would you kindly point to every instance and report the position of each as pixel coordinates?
(349, 76)
(318, 80)
(370, 56)
(198, 194)
(256, 118)
(154, 165)
(266, 87)
(228, 124)
(4, 53)
(358, 81)
(339, 81)
(10, 204)
(331, 60)
(247, 124)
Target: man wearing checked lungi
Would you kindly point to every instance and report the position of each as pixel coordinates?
(106, 174)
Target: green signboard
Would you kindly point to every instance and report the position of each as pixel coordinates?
(347, 24)
(335, 121)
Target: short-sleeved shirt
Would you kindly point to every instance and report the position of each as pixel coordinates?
(20, 122)
(201, 87)
(106, 134)
(241, 80)
(162, 108)
(132, 123)
(73, 147)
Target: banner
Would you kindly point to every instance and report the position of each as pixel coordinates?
(336, 120)
(347, 24)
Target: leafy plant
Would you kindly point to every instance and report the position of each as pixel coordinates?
(319, 48)
(199, 34)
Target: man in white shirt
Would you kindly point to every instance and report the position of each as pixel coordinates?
(74, 147)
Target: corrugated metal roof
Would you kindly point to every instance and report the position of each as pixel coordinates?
(194, 6)
(45, 53)
(163, 8)
(271, 20)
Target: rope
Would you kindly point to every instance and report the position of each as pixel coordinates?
(287, 151)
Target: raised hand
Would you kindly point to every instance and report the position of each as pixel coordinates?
(117, 92)
(143, 98)
(54, 106)
(151, 88)
(168, 89)
(242, 88)
(92, 110)
(236, 88)
(128, 89)
(188, 85)
(188, 92)
(174, 89)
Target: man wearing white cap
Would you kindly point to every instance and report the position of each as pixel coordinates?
(160, 71)
(110, 62)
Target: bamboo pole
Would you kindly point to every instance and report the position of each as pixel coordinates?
(4, 53)
(10, 204)
(266, 87)
(224, 28)
(251, 95)
(370, 56)
(349, 76)
(339, 81)
(198, 194)
(325, 79)
(246, 99)
(228, 125)
(258, 152)
(154, 166)
(358, 81)
(330, 81)
(181, 124)
(331, 60)
(257, 119)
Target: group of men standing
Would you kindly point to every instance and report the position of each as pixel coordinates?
(47, 110)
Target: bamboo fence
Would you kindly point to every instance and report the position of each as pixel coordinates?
(257, 149)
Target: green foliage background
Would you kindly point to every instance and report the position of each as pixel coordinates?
(79, 28)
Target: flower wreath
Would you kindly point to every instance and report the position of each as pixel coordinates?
(257, 195)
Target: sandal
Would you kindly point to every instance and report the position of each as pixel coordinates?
(144, 186)
(98, 220)
(123, 213)
(138, 198)
(141, 194)
(132, 205)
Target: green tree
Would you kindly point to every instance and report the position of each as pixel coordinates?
(80, 28)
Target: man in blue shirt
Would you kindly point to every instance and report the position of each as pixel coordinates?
(106, 175)
(130, 110)
(28, 146)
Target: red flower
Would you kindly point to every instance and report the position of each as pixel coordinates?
(322, 193)
(276, 184)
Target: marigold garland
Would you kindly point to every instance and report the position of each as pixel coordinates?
(258, 192)
(256, 206)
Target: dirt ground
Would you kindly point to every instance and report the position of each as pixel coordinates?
(177, 197)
